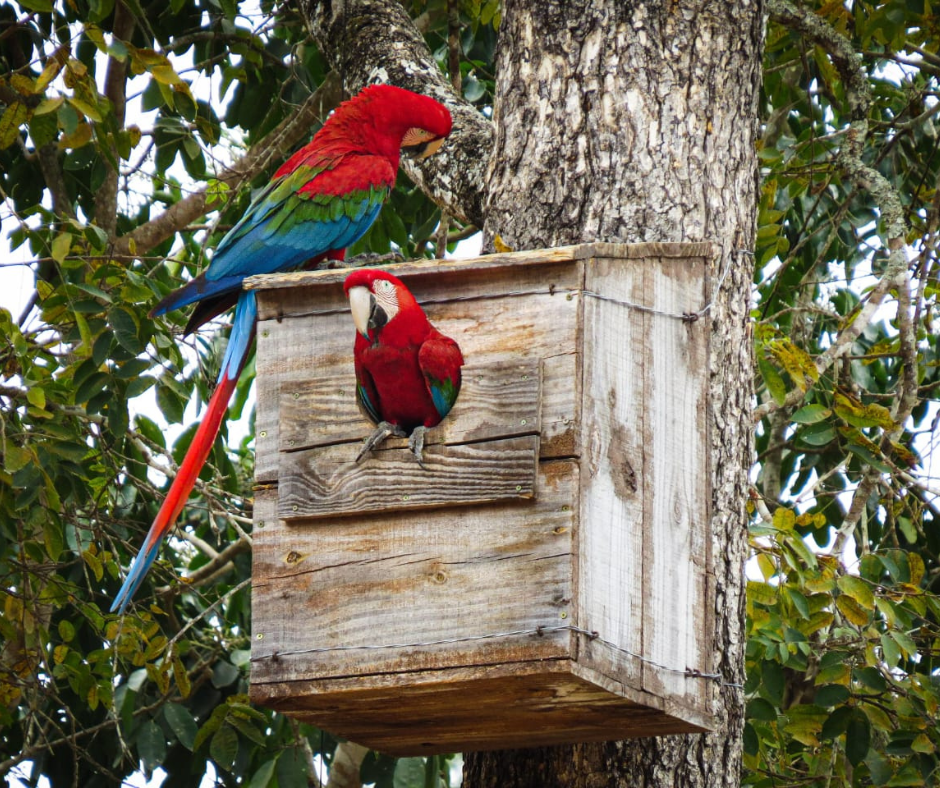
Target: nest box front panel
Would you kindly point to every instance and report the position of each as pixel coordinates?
(381, 566)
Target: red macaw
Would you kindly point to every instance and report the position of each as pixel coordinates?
(407, 372)
(324, 198)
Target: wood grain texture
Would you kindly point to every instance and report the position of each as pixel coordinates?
(413, 577)
(676, 494)
(308, 336)
(372, 582)
(487, 707)
(327, 481)
(490, 262)
(496, 401)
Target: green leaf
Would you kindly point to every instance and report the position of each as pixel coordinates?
(811, 414)
(151, 746)
(760, 709)
(224, 747)
(43, 6)
(262, 777)
(126, 329)
(832, 695)
(857, 737)
(775, 385)
(182, 724)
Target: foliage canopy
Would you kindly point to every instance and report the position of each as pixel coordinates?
(841, 681)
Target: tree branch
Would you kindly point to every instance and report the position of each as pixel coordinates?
(370, 41)
(115, 88)
(277, 145)
(858, 94)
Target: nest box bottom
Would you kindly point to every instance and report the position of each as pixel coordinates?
(499, 707)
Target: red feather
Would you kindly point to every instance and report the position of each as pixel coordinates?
(399, 364)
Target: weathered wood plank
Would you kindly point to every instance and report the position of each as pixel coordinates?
(490, 707)
(327, 481)
(413, 577)
(533, 258)
(496, 401)
(675, 496)
(610, 574)
(490, 329)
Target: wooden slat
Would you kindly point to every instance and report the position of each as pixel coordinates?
(496, 401)
(676, 494)
(533, 258)
(327, 481)
(495, 327)
(524, 704)
(410, 577)
(617, 344)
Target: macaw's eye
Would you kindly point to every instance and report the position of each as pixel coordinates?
(382, 285)
(420, 143)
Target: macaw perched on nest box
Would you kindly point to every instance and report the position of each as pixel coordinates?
(324, 198)
(407, 372)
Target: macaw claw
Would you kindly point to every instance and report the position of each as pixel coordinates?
(387, 430)
(416, 444)
(382, 431)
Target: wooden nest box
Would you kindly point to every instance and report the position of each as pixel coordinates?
(548, 578)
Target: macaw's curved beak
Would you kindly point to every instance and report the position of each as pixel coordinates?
(423, 150)
(367, 314)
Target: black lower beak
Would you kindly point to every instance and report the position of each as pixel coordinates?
(378, 317)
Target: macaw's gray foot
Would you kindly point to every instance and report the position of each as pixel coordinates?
(383, 431)
(416, 444)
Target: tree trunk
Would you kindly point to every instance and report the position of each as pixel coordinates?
(637, 121)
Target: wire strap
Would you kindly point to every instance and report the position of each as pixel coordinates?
(539, 631)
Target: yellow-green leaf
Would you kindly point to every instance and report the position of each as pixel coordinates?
(13, 117)
(853, 412)
(23, 84)
(858, 589)
(49, 105)
(166, 75)
(48, 74)
(78, 138)
(61, 246)
(761, 593)
(86, 109)
(853, 612)
(784, 519)
(93, 564)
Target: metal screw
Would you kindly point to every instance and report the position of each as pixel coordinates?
(523, 422)
(296, 395)
(264, 334)
(259, 636)
(565, 508)
(518, 488)
(290, 443)
(264, 433)
(525, 377)
(342, 393)
(405, 497)
(569, 297)
(294, 508)
(261, 523)
(564, 614)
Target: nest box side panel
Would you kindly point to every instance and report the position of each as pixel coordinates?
(643, 583)
(610, 577)
(411, 590)
(677, 494)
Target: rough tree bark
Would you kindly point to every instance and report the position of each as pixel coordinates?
(637, 122)
(615, 121)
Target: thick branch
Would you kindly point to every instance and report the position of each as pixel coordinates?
(276, 146)
(115, 88)
(375, 41)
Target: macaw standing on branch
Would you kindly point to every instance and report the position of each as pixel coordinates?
(407, 372)
(324, 198)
